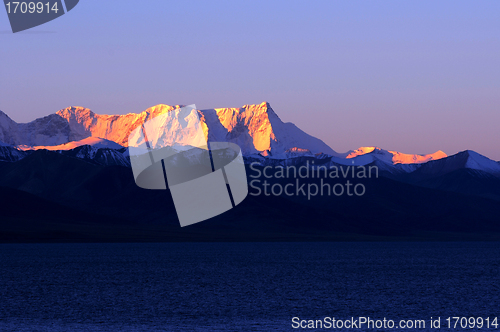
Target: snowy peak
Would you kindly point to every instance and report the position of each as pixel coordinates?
(395, 157)
(49, 130)
(361, 151)
(258, 129)
(84, 123)
(479, 162)
(402, 158)
(463, 160)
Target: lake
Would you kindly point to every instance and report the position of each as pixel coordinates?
(241, 286)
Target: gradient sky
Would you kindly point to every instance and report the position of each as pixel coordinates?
(412, 76)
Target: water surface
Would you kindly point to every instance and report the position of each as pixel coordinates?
(240, 286)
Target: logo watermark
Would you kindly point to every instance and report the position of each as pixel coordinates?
(171, 151)
(25, 15)
(267, 180)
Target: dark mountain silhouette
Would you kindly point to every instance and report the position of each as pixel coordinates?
(105, 199)
(28, 218)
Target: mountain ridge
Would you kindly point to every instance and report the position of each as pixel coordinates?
(397, 157)
(256, 128)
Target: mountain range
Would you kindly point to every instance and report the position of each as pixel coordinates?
(257, 129)
(77, 161)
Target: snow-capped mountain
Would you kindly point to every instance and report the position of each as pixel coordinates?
(394, 157)
(255, 128)
(467, 159)
(258, 129)
(49, 130)
(365, 156)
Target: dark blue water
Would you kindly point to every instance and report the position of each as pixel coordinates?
(240, 286)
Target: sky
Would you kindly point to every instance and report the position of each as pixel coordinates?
(411, 76)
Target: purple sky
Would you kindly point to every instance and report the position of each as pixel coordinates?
(412, 76)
